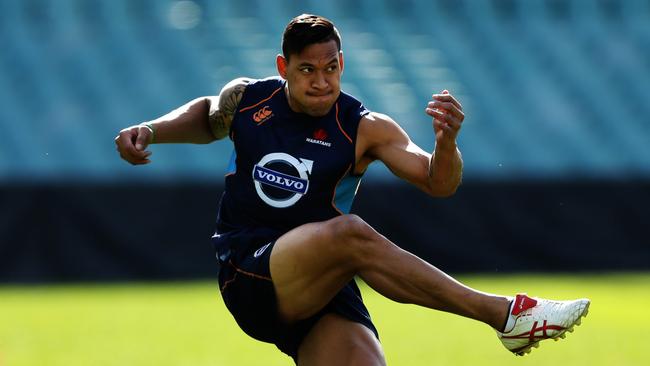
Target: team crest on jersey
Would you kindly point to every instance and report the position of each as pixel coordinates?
(319, 138)
(281, 179)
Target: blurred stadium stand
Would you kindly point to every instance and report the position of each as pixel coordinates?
(555, 92)
(552, 89)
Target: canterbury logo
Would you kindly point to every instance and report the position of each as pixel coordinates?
(263, 114)
(261, 250)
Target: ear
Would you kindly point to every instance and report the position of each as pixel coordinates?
(341, 61)
(281, 64)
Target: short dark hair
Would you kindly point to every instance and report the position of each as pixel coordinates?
(305, 30)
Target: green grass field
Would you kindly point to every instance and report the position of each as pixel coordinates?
(186, 323)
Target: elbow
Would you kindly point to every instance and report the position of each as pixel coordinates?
(442, 190)
(442, 193)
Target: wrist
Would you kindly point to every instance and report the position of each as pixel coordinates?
(149, 126)
(446, 147)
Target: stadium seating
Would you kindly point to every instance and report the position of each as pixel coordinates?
(552, 89)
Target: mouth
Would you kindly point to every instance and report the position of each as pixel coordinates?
(323, 98)
(319, 95)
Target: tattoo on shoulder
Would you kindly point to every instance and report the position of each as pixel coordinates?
(222, 112)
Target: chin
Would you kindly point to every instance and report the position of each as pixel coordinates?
(316, 108)
(318, 112)
(320, 109)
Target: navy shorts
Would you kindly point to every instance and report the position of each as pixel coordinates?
(248, 292)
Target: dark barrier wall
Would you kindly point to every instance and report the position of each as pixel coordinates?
(144, 232)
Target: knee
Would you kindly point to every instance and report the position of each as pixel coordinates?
(352, 235)
(367, 354)
(366, 351)
(349, 227)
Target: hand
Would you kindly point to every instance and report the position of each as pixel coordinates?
(447, 115)
(131, 144)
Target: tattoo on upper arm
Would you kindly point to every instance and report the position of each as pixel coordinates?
(222, 112)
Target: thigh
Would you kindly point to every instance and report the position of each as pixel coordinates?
(248, 293)
(308, 268)
(335, 340)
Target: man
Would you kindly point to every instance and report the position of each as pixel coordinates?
(287, 245)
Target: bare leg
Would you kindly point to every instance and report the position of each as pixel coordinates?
(337, 341)
(311, 263)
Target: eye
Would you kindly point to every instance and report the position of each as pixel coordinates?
(306, 69)
(331, 68)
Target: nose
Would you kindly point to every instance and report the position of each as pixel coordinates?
(319, 81)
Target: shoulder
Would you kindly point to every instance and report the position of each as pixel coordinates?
(350, 107)
(249, 83)
(223, 107)
(239, 85)
(250, 90)
(378, 125)
(235, 86)
(377, 130)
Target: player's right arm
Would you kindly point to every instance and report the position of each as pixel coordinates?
(200, 121)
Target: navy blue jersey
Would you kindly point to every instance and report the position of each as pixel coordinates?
(288, 168)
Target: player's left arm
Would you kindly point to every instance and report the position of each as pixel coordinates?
(438, 174)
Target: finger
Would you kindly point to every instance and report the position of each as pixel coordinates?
(126, 147)
(445, 116)
(142, 139)
(446, 97)
(442, 115)
(448, 106)
(125, 139)
(133, 161)
(439, 124)
(129, 159)
(139, 157)
(448, 129)
(142, 162)
(448, 119)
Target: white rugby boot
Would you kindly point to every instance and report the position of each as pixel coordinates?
(532, 320)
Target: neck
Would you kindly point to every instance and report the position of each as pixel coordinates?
(292, 104)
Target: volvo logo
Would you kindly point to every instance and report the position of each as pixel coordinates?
(281, 188)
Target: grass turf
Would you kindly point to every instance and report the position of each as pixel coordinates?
(186, 323)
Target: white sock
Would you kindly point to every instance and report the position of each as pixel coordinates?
(510, 323)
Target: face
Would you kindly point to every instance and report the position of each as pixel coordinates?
(313, 78)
